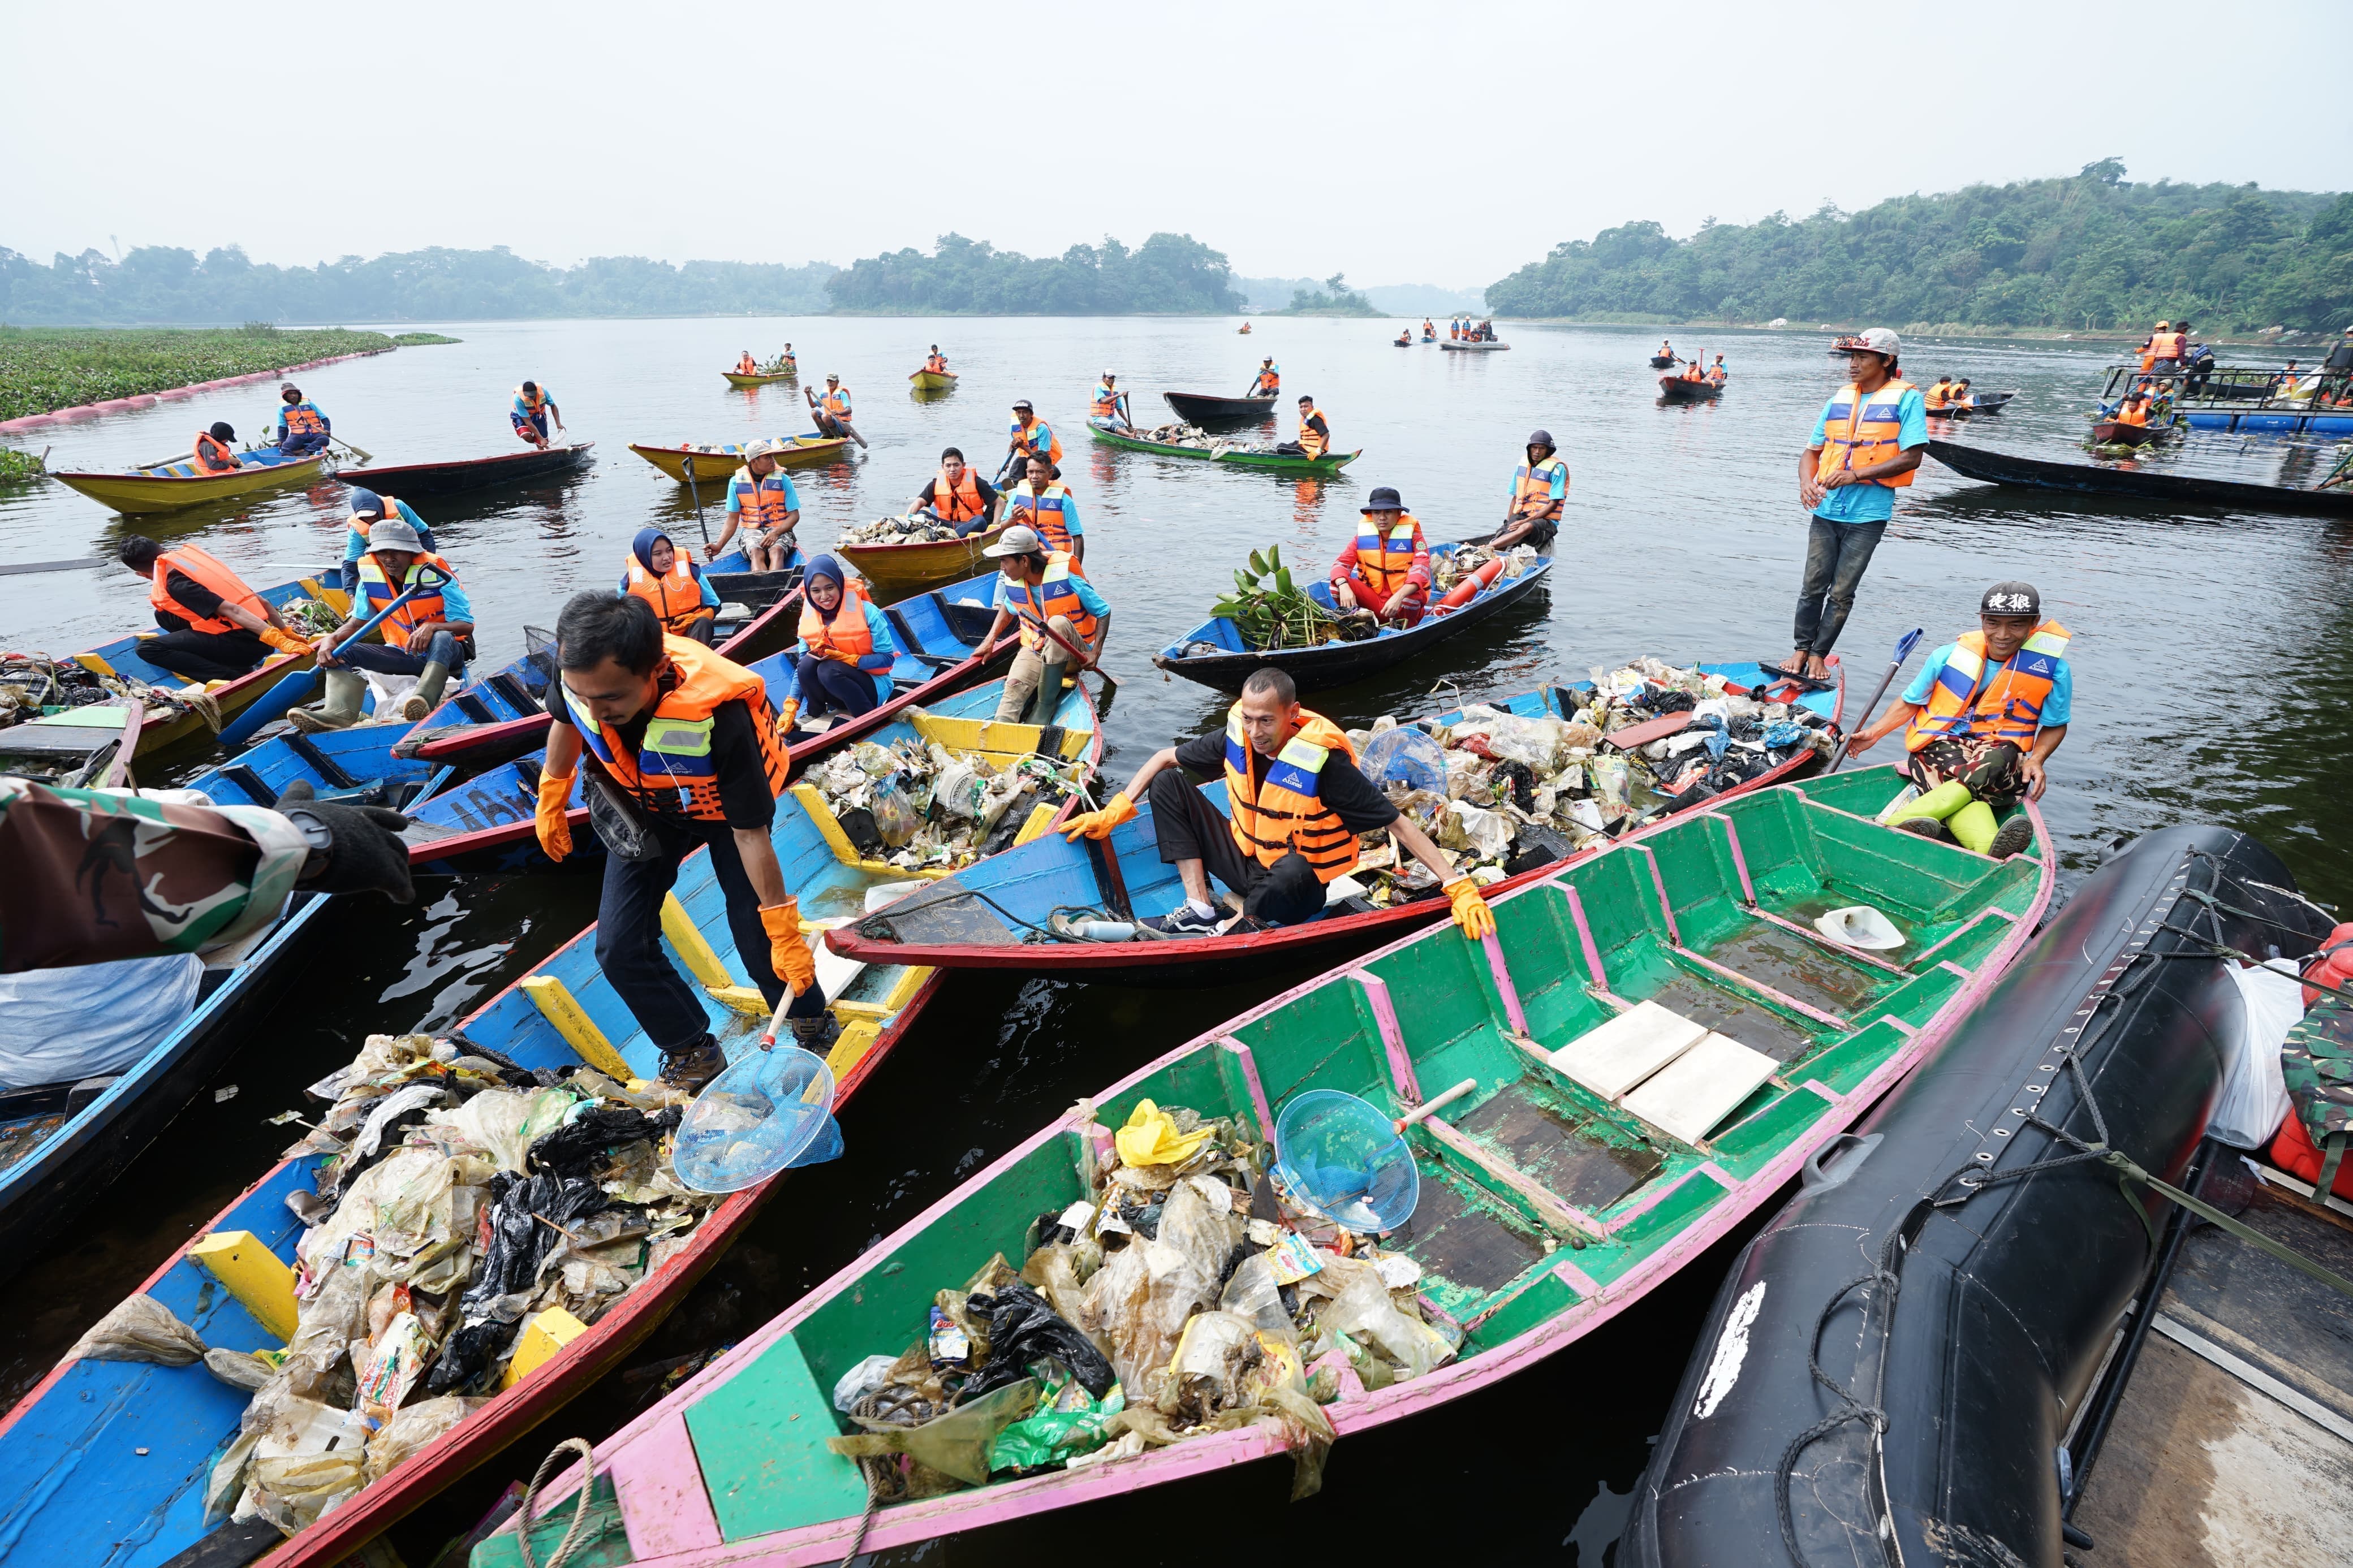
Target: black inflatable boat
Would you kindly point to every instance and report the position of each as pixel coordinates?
(1894, 1365)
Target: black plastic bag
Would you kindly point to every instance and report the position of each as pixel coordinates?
(1022, 1328)
(575, 1148)
(524, 1213)
(1535, 845)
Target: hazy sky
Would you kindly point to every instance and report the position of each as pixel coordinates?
(1441, 145)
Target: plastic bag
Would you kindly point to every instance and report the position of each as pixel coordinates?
(1205, 1232)
(1538, 744)
(1059, 1272)
(861, 1381)
(502, 1123)
(960, 790)
(60, 1025)
(957, 1444)
(1206, 1368)
(1253, 1295)
(1365, 1313)
(292, 1491)
(1486, 834)
(2252, 1101)
(141, 1329)
(1405, 755)
(1150, 1138)
(1022, 1328)
(239, 1369)
(1137, 1303)
(894, 814)
(1069, 1422)
(411, 1429)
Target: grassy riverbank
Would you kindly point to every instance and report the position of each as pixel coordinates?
(45, 368)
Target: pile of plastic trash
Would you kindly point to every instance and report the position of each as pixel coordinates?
(33, 684)
(1181, 434)
(461, 1197)
(915, 804)
(1449, 567)
(1505, 793)
(1188, 1294)
(898, 530)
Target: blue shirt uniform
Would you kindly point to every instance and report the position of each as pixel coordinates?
(355, 546)
(1097, 605)
(2057, 707)
(1868, 501)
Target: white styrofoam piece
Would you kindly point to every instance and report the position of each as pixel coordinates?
(1613, 1057)
(1687, 1097)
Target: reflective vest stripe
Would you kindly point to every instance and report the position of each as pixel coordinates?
(1045, 513)
(1872, 425)
(1386, 564)
(676, 752)
(1282, 811)
(762, 502)
(1310, 441)
(302, 419)
(1963, 703)
(675, 594)
(375, 591)
(1534, 484)
(1057, 595)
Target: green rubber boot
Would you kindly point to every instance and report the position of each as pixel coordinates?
(1938, 804)
(428, 695)
(1973, 825)
(346, 690)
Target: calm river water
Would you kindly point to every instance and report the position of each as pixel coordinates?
(2212, 660)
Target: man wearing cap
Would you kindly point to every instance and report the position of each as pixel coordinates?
(1110, 404)
(533, 406)
(429, 636)
(1386, 568)
(368, 509)
(1869, 440)
(686, 739)
(1045, 504)
(216, 628)
(1269, 381)
(301, 427)
(1984, 715)
(1063, 621)
(1298, 802)
(1315, 432)
(762, 501)
(831, 411)
(1030, 436)
(1539, 493)
(957, 496)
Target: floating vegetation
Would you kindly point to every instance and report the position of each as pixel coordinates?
(15, 467)
(422, 339)
(45, 368)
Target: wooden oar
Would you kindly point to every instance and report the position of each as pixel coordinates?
(21, 570)
(354, 451)
(275, 701)
(697, 494)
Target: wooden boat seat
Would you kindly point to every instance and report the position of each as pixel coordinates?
(1613, 1057)
(1700, 1088)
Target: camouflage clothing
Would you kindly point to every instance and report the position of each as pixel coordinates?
(103, 874)
(2317, 1063)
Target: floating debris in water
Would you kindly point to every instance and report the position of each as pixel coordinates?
(222, 1096)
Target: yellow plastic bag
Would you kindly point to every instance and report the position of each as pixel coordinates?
(1150, 1138)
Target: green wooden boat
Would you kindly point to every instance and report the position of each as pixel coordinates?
(1265, 462)
(1659, 1040)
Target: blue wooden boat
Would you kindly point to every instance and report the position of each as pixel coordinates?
(999, 913)
(1213, 652)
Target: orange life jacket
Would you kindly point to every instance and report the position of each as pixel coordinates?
(1309, 442)
(1532, 494)
(391, 509)
(959, 501)
(1027, 437)
(2128, 414)
(676, 595)
(2164, 345)
(302, 419)
(675, 753)
(834, 403)
(1963, 703)
(1872, 423)
(1267, 384)
(845, 637)
(761, 502)
(937, 364)
(375, 591)
(213, 456)
(1384, 561)
(197, 566)
(1054, 595)
(1043, 510)
(747, 366)
(1106, 403)
(1282, 810)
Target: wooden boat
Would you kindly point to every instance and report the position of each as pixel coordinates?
(1553, 1198)
(931, 380)
(2084, 479)
(1676, 389)
(487, 821)
(1336, 663)
(77, 731)
(406, 479)
(1663, 362)
(938, 926)
(562, 1016)
(1202, 408)
(737, 378)
(62, 1144)
(2012, 1311)
(1265, 462)
(170, 487)
(797, 451)
(2115, 433)
(1485, 347)
(897, 572)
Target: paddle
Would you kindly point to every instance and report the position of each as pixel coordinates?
(275, 701)
(1083, 661)
(1903, 646)
(19, 570)
(354, 451)
(697, 494)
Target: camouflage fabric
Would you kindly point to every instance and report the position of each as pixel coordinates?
(2317, 1063)
(104, 874)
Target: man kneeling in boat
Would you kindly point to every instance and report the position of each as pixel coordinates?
(215, 626)
(1985, 714)
(1063, 621)
(1386, 568)
(958, 497)
(688, 738)
(1298, 802)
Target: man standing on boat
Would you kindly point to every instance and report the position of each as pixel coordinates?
(1984, 715)
(431, 637)
(1110, 404)
(1386, 568)
(686, 744)
(1062, 620)
(1315, 433)
(831, 411)
(761, 501)
(1870, 439)
(1270, 379)
(1539, 494)
(216, 628)
(1031, 436)
(958, 497)
(1298, 802)
(1043, 503)
(534, 404)
(302, 428)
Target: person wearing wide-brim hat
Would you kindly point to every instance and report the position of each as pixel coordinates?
(1539, 493)
(431, 637)
(1386, 568)
(1063, 621)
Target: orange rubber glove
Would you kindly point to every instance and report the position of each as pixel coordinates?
(788, 710)
(284, 642)
(1471, 911)
(550, 819)
(1099, 824)
(788, 953)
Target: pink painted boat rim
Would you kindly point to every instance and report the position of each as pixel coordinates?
(908, 1523)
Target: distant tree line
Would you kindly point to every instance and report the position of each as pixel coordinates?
(1171, 273)
(2094, 252)
(1334, 298)
(160, 284)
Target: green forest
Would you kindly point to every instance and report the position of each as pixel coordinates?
(1171, 273)
(1333, 298)
(157, 284)
(2097, 251)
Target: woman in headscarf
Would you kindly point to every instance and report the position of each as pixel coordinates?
(845, 651)
(665, 577)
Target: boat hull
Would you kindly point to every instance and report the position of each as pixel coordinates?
(931, 380)
(1201, 408)
(1663, 362)
(736, 378)
(134, 493)
(1264, 462)
(406, 479)
(2084, 479)
(1675, 389)
(2109, 433)
(897, 572)
(1453, 347)
(720, 465)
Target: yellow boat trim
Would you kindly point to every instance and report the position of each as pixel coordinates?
(694, 950)
(556, 1003)
(251, 1273)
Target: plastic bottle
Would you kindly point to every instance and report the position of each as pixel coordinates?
(1103, 931)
